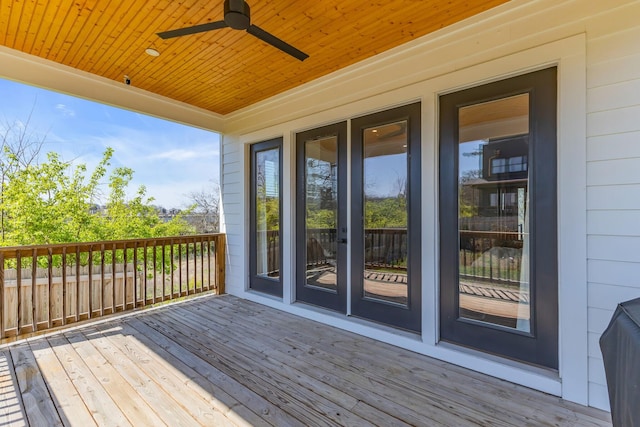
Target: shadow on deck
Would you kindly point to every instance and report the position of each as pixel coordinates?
(220, 360)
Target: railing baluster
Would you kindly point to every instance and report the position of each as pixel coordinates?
(164, 273)
(50, 283)
(180, 265)
(135, 274)
(155, 268)
(102, 287)
(144, 271)
(18, 290)
(187, 263)
(195, 266)
(125, 276)
(90, 287)
(113, 278)
(77, 318)
(34, 291)
(208, 263)
(171, 267)
(64, 286)
(202, 289)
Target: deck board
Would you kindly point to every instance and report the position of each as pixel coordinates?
(53, 374)
(198, 405)
(225, 361)
(332, 403)
(37, 402)
(11, 410)
(103, 409)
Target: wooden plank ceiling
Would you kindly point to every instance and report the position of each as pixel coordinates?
(222, 70)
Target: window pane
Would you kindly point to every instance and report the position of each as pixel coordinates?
(493, 212)
(321, 201)
(267, 213)
(385, 212)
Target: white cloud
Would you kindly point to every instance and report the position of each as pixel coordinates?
(176, 154)
(66, 111)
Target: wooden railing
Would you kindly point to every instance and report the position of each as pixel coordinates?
(46, 286)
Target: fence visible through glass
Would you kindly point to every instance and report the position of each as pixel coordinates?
(321, 213)
(385, 212)
(493, 212)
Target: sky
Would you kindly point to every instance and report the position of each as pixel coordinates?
(169, 159)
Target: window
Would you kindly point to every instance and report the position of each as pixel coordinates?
(498, 224)
(266, 218)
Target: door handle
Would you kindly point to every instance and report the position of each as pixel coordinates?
(342, 240)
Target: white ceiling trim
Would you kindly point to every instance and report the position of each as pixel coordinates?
(35, 71)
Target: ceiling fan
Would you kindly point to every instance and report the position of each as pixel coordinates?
(237, 16)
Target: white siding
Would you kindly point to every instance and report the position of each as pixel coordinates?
(613, 167)
(233, 218)
(611, 121)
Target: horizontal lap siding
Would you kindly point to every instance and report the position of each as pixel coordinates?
(613, 176)
(233, 204)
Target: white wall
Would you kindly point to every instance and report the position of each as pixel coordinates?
(613, 174)
(595, 45)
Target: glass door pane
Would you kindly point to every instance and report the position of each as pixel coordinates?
(385, 213)
(321, 213)
(265, 217)
(498, 218)
(386, 219)
(322, 216)
(268, 214)
(493, 218)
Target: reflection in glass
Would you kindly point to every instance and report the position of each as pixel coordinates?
(493, 212)
(321, 201)
(385, 212)
(268, 213)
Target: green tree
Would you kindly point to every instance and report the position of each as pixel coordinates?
(19, 148)
(388, 212)
(51, 203)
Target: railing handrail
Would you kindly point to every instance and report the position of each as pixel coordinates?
(9, 252)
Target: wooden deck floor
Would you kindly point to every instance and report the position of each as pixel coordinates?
(219, 361)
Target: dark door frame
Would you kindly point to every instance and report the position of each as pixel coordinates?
(540, 347)
(311, 294)
(259, 283)
(410, 316)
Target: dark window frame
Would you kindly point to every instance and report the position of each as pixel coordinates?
(540, 347)
(409, 317)
(309, 294)
(268, 285)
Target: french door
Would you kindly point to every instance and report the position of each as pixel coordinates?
(321, 227)
(382, 239)
(385, 217)
(498, 225)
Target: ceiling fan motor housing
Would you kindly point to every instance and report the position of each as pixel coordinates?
(237, 14)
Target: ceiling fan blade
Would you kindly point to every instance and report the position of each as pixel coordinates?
(276, 42)
(193, 30)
